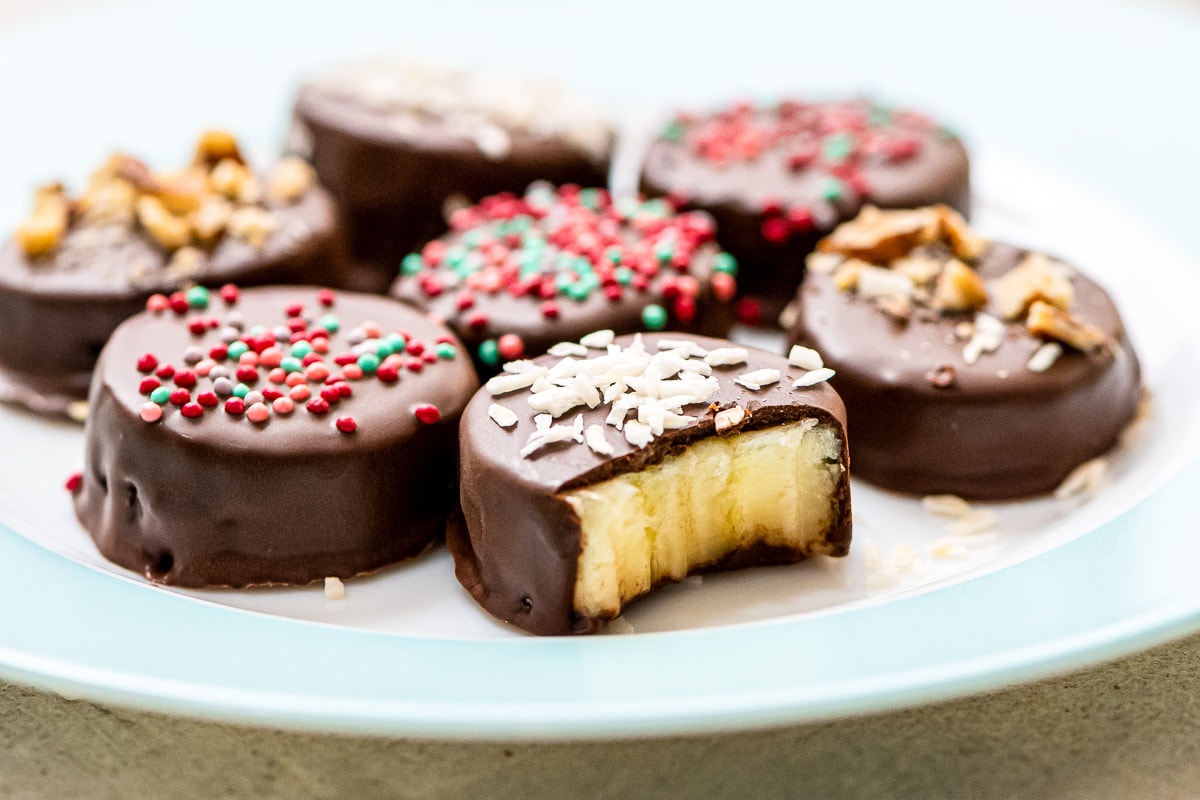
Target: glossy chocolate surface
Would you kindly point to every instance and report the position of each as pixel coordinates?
(392, 186)
(218, 500)
(516, 546)
(743, 191)
(57, 311)
(1000, 430)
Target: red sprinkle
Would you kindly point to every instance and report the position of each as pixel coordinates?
(197, 325)
(724, 286)
(748, 311)
(157, 303)
(387, 373)
(325, 297)
(427, 413)
(317, 405)
(330, 394)
(74, 482)
(185, 378)
(550, 309)
(247, 374)
(346, 424)
(191, 410)
(147, 362)
(235, 406)
(178, 302)
(776, 230)
(207, 399)
(511, 346)
(294, 310)
(229, 293)
(180, 396)
(148, 385)
(164, 371)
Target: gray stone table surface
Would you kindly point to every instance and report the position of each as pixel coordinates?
(1127, 729)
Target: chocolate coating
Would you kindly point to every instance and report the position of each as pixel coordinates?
(392, 184)
(496, 312)
(221, 501)
(57, 311)
(516, 545)
(999, 430)
(737, 187)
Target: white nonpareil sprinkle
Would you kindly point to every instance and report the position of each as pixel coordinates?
(598, 340)
(594, 436)
(1044, 357)
(758, 378)
(550, 434)
(502, 416)
(726, 357)
(987, 337)
(813, 377)
(805, 358)
(335, 589)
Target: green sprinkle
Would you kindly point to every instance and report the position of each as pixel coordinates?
(613, 254)
(411, 264)
(578, 291)
(241, 390)
(563, 280)
(833, 190)
(197, 297)
(236, 349)
(664, 250)
(456, 254)
(673, 132)
(946, 133)
(657, 208)
(291, 364)
(395, 342)
(301, 349)
(589, 198)
(489, 352)
(725, 262)
(654, 317)
(369, 362)
(879, 117)
(330, 323)
(624, 275)
(258, 329)
(837, 147)
(446, 351)
(473, 238)
(160, 395)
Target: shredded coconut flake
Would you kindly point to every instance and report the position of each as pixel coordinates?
(1044, 357)
(726, 356)
(598, 340)
(973, 523)
(335, 589)
(595, 439)
(813, 377)
(987, 337)
(805, 358)
(506, 383)
(568, 349)
(946, 505)
(502, 415)
(1084, 480)
(758, 378)
(682, 347)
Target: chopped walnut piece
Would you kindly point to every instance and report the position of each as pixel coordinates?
(109, 202)
(966, 244)
(43, 230)
(210, 219)
(943, 376)
(822, 262)
(184, 262)
(959, 288)
(876, 282)
(895, 306)
(216, 146)
(879, 236)
(255, 225)
(229, 178)
(921, 270)
(845, 277)
(181, 192)
(1035, 278)
(170, 231)
(290, 179)
(1051, 322)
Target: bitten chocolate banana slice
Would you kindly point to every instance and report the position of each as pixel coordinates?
(617, 464)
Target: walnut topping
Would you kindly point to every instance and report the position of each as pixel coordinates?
(170, 231)
(1051, 322)
(44, 229)
(921, 270)
(193, 206)
(959, 288)
(216, 146)
(728, 419)
(845, 277)
(965, 243)
(879, 236)
(942, 377)
(1035, 278)
(290, 179)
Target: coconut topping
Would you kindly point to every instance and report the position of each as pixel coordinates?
(484, 108)
(656, 388)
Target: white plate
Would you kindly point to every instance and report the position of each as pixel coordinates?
(407, 651)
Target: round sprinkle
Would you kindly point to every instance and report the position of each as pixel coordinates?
(236, 349)
(147, 362)
(160, 395)
(241, 390)
(726, 263)
(180, 397)
(197, 297)
(346, 424)
(299, 393)
(75, 482)
(151, 412)
(325, 297)
(229, 293)
(489, 352)
(157, 303)
(235, 406)
(445, 350)
(724, 286)
(511, 347)
(318, 405)
(148, 385)
(258, 413)
(428, 413)
(190, 410)
(283, 405)
(654, 317)
(388, 373)
(368, 362)
(253, 397)
(412, 264)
